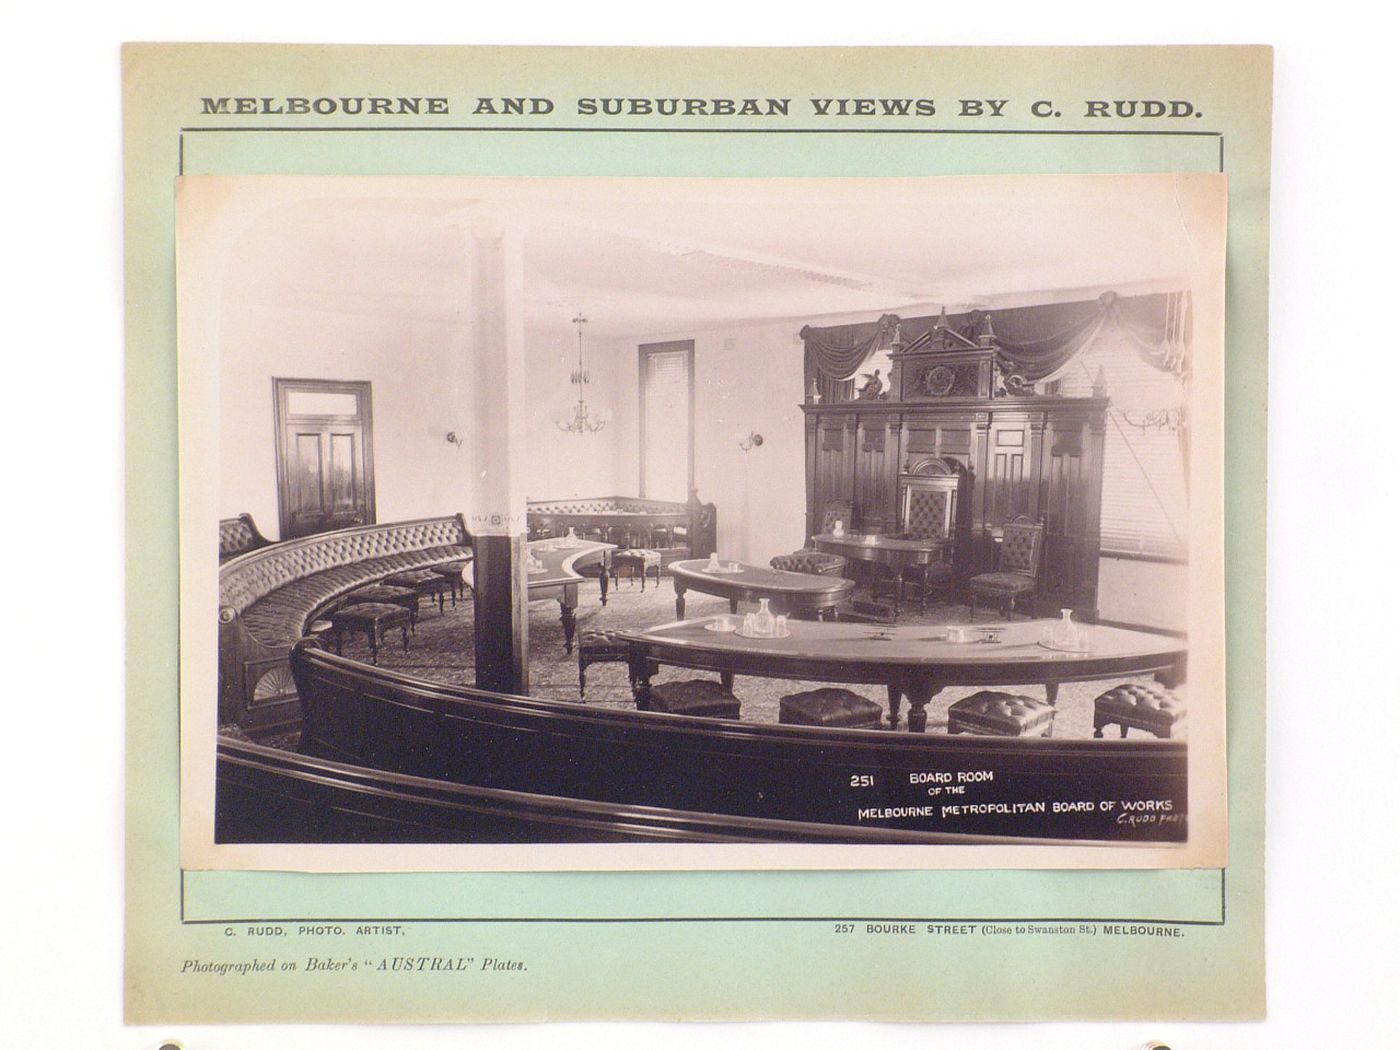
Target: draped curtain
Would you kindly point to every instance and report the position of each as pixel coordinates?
(835, 355)
(1158, 327)
(1035, 344)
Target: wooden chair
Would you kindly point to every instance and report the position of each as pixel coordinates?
(1018, 565)
(835, 510)
(928, 510)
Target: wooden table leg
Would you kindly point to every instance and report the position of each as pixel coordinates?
(1052, 691)
(639, 671)
(919, 693)
(1173, 676)
(566, 617)
(726, 679)
(894, 695)
(680, 599)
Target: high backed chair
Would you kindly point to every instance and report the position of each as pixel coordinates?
(835, 510)
(928, 510)
(1018, 564)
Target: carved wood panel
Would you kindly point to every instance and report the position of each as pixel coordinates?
(1043, 461)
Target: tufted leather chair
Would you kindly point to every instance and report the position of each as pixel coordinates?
(1017, 567)
(817, 563)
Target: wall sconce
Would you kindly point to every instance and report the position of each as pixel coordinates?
(752, 441)
(453, 439)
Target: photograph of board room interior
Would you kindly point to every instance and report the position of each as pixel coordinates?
(696, 313)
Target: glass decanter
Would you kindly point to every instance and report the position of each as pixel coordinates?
(764, 622)
(1066, 634)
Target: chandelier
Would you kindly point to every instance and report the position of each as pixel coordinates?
(581, 421)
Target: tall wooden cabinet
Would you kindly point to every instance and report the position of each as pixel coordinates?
(1024, 455)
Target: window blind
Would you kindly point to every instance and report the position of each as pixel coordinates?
(666, 424)
(1144, 481)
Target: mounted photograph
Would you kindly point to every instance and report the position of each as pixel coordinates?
(675, 523)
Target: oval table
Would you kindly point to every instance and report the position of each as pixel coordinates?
(914, 662)
(798, 593)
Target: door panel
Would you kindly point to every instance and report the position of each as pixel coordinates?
(324, 457)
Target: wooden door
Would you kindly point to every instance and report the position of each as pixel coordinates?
(325, 469)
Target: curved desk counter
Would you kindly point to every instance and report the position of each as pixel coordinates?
(558, 576)
(799, 593)
(912, 662)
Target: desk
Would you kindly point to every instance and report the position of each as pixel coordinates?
(559, 578)
(797, 592)
(890, 551)
(913, 662)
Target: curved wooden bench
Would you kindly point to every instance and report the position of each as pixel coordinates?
(379, 719)
(266, 795)
(676, 530)
(267, 597)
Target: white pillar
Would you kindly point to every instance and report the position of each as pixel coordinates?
(497, 443)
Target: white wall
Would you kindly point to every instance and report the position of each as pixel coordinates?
(560, 464)
(419, 373)
(1147, 593)
(747, 378)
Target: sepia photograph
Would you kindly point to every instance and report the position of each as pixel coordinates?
(705, 513)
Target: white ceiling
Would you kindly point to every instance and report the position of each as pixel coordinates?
(654, 256)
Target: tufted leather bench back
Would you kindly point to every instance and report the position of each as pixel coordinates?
(606, 505)
(238, 536)
(253, 576)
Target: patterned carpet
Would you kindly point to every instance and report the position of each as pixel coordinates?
(442, 650)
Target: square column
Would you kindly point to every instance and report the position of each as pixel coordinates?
(497, 445)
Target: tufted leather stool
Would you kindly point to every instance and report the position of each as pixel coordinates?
(382, 592)
(596, 647)
(375, 619)
(830, 707)
(638, 561)
(427, 583)
(991, 713)
(452, 571)
(1134, 705)
(697, 696)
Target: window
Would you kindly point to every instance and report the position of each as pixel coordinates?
(1144, 476)
(667, 414)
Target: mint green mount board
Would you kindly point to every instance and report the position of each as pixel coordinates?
(979, 945)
